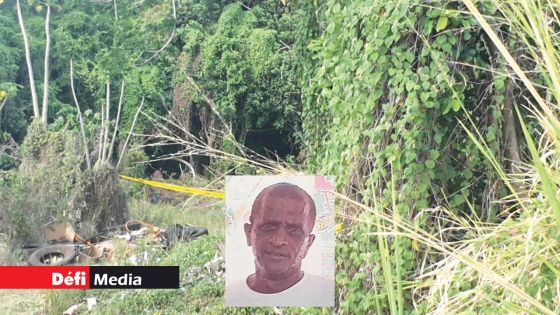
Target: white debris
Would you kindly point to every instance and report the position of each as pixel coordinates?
(216, 266)
(133, 260)
(139, 232)
(72, 310)
(126, 237)
(91, 302)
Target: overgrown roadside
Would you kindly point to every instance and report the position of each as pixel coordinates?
(439, 120)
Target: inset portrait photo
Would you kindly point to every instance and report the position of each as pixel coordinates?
(280, 241)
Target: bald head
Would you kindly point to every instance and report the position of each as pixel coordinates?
(279, 232)
(285, 191)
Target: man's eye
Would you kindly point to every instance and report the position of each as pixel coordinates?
(295, 230)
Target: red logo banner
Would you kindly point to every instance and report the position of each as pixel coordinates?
(41, 277)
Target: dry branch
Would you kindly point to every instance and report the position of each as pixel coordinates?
(101, 130)
(170, 132)
(115, 129)
(107, 122)
(130, 133)
(86, 149)
(157, 52)
(212, 105)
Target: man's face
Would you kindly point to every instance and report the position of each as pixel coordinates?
(280, 236)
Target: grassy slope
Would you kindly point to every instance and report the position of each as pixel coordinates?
(20, 302)
(205, 296)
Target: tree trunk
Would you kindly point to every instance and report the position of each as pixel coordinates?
(46, 80)
(1, 108)
(115, 7)
(116, 127)
(104, 135)
(34, 101)
(101, 130)
(513, 154)
(107, 122)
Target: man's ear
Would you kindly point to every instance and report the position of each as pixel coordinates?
(247, 228)
(310, 240)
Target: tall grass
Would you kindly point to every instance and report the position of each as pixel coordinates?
(521, 253)
(204, 212)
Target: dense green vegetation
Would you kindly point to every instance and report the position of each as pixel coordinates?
(391, 81)
(439, 120)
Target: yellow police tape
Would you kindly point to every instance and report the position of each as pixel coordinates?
(195, 191)
(189, 190)
(338, 228)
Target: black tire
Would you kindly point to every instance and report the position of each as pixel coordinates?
(64, 254)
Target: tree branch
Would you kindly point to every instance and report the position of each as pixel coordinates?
(157, 52)
(101, 130)
(115, 129)
(34, 101)
(107, 122)
(3, 103)
(130, 133)
(88, 159)
(2, 107)
(115, 6)
(46, 76)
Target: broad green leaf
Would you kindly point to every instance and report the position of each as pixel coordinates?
(456, 105)
(430, 164)
(490, 135)
(441, 23)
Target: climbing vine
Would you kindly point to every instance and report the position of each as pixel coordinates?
(243, 61)
(391, 82)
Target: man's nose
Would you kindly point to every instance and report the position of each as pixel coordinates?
(279, 238)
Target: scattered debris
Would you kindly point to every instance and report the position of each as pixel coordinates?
(59, 232)
(181, 232)
(212, 270)
(54, 255)
(217, 266)
(65, 247)
(194, 275)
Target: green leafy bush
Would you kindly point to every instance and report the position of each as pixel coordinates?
(39, 191)
(388, 83)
